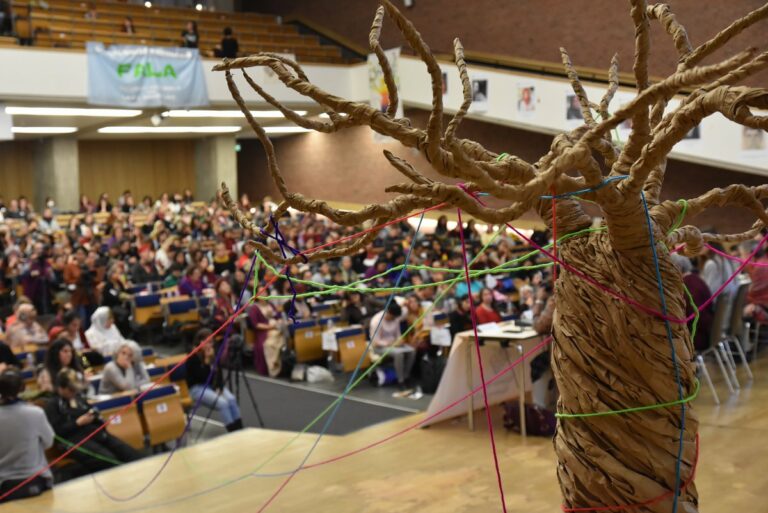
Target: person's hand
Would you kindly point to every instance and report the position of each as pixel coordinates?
(84, 420)
(3, 366)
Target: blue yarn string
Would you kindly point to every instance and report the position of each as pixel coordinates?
(672, 349)
(352, 378)
(222, 349)
(584, 191)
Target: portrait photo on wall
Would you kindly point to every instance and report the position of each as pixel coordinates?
(479, 95)
(572, 108)
(526, 98)
(752, 139)
(445, 83)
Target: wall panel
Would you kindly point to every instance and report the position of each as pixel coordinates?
(17, 174)
(143, 166)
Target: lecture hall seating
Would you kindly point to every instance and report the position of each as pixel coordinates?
(64, 25)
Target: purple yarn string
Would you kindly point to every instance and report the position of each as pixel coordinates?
(198, 402)
(280, 239)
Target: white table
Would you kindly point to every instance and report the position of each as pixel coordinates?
(459, 378)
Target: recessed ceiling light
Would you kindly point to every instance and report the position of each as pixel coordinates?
(226, 113)
(198, 6)
(147, 4)
(69, 111)
(169, 129)
(285, 129)
(43, 129)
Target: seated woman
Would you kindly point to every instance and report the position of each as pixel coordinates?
(192, 282)
(223, 303)
(385, 332)
(73, 419)
(124, 373)
(262, 319)
(418, 338)
(103, 335)
(26, 436)
(61, 355)
(354, 311)
(486, 311)
(217, 396)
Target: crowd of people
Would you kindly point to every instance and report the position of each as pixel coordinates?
(68, 290)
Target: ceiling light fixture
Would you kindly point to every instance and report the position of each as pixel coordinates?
(71, 111)
(286, 130)
(169, 129)
(226, 113)
(43, 129)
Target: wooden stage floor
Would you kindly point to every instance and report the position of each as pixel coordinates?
(441, 469)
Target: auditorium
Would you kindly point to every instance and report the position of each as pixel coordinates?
(383, 256)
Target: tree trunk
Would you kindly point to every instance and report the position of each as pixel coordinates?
(607, 355)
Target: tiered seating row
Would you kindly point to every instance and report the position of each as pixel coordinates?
(66, 24)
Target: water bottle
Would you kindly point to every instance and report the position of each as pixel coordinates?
(30, 360)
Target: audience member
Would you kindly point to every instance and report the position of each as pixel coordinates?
(228, 48)
(262, 319)
(385, 333)
(127, 27)
(487, 311)
(199, 368)
(74, 420)
(124, 373)
(189, 36)
(103, 335)
(61, 355)
(26, 329)
(26, 436)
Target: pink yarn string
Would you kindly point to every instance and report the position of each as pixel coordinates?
(734, 258)
(480, 364)
(620, 296)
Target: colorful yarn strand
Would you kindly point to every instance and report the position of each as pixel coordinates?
(473, 316)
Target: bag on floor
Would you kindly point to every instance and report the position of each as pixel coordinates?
(538, 421)
(317, 374)
(431, 369)
(383, 376)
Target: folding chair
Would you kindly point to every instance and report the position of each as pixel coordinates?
(146, 308)
(127, 424)
(352, 344)
(148, 355)
(155, 373)
(163, 415)
(307, 340)
(737, 331)
(717, 348)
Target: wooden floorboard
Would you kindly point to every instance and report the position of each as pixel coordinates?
(441, 469)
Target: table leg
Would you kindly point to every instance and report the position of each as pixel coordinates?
(521, 389)
(470, 386)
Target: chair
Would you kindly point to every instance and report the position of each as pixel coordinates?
(716, 347)
(125, 425)
(352, 345)
(441, 319)
(146, 308)
(737, 331)
(30, 381)
(163, 415)
(307, 340)
(181, 315)
(155, 373)
(148, 355)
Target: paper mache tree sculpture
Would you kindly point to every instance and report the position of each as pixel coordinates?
(619, 343)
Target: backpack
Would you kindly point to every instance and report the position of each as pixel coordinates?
(538, 421)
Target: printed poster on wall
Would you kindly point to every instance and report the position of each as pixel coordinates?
(145, 76)
(479, 94)
(379, 94)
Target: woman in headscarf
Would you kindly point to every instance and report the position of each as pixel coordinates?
(103, 335)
